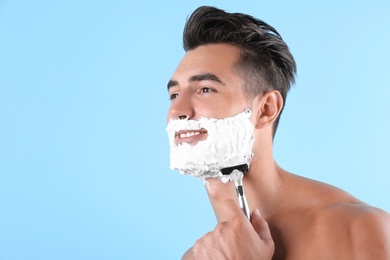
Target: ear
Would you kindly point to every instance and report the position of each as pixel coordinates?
(266, 108)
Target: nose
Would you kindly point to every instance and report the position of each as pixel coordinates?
(181, 108)
(182, 117)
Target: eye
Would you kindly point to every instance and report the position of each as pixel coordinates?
(206, 90)
(173, 96)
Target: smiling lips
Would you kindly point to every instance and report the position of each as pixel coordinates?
(190, 136)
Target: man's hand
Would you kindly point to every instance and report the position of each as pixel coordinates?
(234, 237)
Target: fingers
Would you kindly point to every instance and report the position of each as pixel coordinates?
(261, 226)
(188, 255)
(236, 238)
(223, 198)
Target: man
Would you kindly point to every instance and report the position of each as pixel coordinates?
(234, 62)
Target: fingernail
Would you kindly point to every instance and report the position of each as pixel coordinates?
(257, 212)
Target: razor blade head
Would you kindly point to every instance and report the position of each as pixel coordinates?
(228, 170)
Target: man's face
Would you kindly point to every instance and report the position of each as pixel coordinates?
(205, 85)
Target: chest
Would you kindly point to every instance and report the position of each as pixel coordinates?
(306, 236)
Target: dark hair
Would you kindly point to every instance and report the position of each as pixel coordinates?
(265, 62)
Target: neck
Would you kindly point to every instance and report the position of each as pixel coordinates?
(264, 182)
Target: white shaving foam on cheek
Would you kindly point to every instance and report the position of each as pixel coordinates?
(229, 142)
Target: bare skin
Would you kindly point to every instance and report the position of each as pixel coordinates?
(300, 218)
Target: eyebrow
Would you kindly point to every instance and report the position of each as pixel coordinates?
(196, 78)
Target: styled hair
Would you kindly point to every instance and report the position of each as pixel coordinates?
(265, 61)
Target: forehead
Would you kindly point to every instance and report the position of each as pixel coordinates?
(218, 59)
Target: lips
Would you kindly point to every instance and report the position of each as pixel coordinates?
(190, 136)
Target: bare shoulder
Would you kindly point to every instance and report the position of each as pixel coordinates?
(369, 229)
(351, 231)
(332, 224)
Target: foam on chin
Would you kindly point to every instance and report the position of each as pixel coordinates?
(229, 143)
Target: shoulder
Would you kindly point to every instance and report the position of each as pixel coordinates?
(359, 218)
(332, 224)
(370, 231)
(358, 230)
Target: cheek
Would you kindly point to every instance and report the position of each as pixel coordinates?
(169, 115)
(215, 108)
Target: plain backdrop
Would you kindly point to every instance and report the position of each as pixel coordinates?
(84, 158)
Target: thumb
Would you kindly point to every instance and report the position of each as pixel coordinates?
(260, 225)
(223, 198)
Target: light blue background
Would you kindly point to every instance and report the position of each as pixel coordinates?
(84, 168)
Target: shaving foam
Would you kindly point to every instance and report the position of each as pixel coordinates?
(229, 142)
